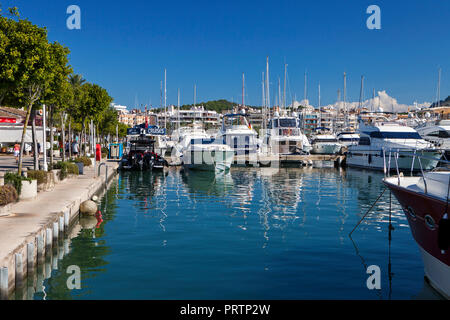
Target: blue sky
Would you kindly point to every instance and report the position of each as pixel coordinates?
(124, 46)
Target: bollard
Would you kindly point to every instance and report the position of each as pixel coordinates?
(66, 219)
(48, 241)
(55, 261)
(3, 283)
(30, 258)
(55, 231)
(19, 270)
(40, 248)
(60, 252)
(66, 246)
(61, 224)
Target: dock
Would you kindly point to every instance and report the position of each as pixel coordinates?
(267, 160)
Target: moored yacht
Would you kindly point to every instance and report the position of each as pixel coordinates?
(425, 203)
(284, 136)
(238, 134)
(325, 143)
(348, 138)
(437, 133)
(207, 154)
(380, 139)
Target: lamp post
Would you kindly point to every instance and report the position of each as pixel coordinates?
(44, 138)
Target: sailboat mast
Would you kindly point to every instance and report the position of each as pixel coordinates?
(361, 93)
(373, 100)
(345, 105)
(320, 112)
(439, 88)
(178, 108)
(279, 93)
(267, 87)
(243, 90)
(165, 98)
(284, 89)
(305, 92)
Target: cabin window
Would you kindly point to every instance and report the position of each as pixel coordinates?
(364, 141)
(444, 134)
(287, 123)
(395, 135)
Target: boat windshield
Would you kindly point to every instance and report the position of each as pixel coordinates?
(288, 123)
(326, 140)
(395, 135)
(203, 141)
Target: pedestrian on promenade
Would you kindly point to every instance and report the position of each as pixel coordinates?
(75, 148)
(16, 152)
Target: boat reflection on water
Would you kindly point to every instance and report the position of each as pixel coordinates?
(175, 233)
(207, 183)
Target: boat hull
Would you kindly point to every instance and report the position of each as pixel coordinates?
(326, 148)
(374, 159)
(417, 206)
(208, 160)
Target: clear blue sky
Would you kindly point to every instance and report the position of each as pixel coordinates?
(125, 45)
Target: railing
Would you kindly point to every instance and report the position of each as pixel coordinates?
(106, 172)
(414, 156)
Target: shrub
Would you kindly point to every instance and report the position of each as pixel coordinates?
(72, 168)
(15, 180)
(86, 161)
(66, 168)
(8, 194)
(40, 175)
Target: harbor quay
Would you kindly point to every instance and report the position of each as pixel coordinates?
(29, 228)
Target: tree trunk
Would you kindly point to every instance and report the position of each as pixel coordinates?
(63, 131)
(82, 152)
(50, 124)
(22, 141)
(34, 139)
(70, 139)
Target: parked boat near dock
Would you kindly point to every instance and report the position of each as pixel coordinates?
(425, 203)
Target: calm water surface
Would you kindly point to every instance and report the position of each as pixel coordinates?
(249, 234)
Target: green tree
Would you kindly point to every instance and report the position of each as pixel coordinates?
(59, 95)
(26, 66)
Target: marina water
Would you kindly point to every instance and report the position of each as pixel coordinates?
(252, 233)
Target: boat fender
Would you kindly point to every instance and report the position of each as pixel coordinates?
(370, 159)
(444, 233)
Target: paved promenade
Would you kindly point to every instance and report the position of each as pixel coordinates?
(26, 219)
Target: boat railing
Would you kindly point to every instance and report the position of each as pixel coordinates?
(415, 157)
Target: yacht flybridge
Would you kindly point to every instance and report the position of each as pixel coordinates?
(380, 139)
(284, 136)
(437, 133)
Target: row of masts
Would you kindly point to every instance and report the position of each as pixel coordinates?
(282, 102)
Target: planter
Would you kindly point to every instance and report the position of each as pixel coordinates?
(29, 190)
(55, 173)
(49, 185)
(80, 166)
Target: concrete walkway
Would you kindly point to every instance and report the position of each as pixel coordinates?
(27, 219)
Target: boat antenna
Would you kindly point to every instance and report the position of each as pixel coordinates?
(361, 93)
(178, 108)
(284, 89)
(165, 98)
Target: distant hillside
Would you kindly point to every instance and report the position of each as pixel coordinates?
(443, 103)
(215, 105)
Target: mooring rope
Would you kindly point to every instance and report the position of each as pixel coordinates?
(370, 209)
